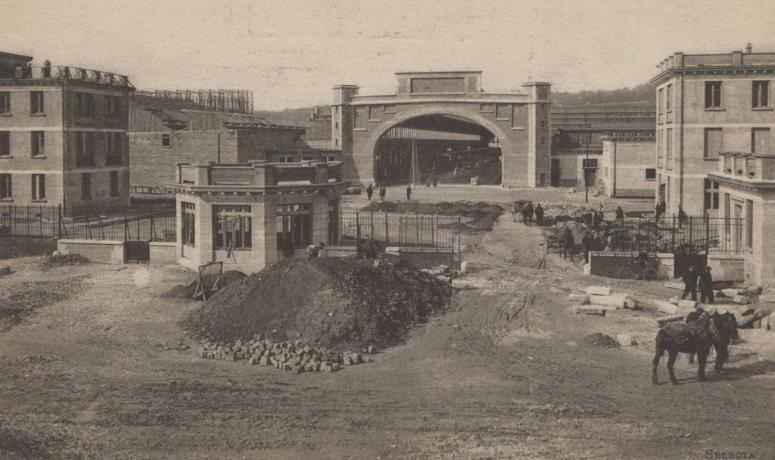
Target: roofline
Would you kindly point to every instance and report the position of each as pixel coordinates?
(437, 71)
(16, 56)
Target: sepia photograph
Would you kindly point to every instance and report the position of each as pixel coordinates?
(387, 229)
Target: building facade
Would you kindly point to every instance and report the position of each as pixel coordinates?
(577, 139)
(628, 167)
(517, 122)
(708, 104)
(164, 131)
(747, 188)
(252, 214)
(63, 136)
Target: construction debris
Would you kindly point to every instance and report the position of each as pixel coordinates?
(589, 310)
(625, 340)
(601, 340)
(662, 320)
(598, 290)
(679, 285)
(581, 299)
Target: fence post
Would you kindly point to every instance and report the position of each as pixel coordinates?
(417, 225)
(387, 236)
(691, 236)
(59, 221)
(371, 223)
(707, 234)
(126, 227)
(672, 233)
(151, 235)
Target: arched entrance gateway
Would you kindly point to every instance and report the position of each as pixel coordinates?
(438, 121)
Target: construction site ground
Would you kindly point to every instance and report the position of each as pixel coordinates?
(102, 370)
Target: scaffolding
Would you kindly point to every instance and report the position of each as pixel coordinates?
(217, 100)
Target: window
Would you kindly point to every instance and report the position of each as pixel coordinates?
(6, 190)
(660, 100)
(589, 163)
(294, 226)
(38, 187)
(188, 226)
(669, 98)
(86, 186)
(760, 140)
(114, 183)
(36, 103)
(165, 140)
(232, 227)
(711, 195)
(38, 139)
(712, 94)
(651, 173)
(5, 143)
(5, 102)
(113, 148)
(84, 148)
(84, 105)
(714, 142)
(659, 143)
(749, 224)
(112, 106)
(669, 144)
(760, 94)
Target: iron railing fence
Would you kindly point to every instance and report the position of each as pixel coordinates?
(399, 229)
(129, 224)
(690, 235)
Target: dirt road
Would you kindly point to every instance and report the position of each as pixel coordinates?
(107, 373)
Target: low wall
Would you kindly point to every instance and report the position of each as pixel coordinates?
(727, 267)
(608, 263)
(163, 253)
(105, 252)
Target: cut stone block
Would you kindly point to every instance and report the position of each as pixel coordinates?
(744, 320)
(460, 284)
(679, 285)
(631, 303)
(581, 299)
(666, 307)
(662, 320)
(625, 340)
(741, 299)
(687, 304)
(767, 298)
(589, 310)
(731, 292)
(598, 290)
(719, 293)
(615, 300)
(674, 300)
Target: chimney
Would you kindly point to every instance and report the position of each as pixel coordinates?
(748, 48)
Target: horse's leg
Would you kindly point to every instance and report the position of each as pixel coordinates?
(670, 362)
(702, 356)
(659, 351)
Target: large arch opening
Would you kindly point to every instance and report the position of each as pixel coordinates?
(438, 148)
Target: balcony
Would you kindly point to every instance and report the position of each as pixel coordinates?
(24, 74)
(755, 167)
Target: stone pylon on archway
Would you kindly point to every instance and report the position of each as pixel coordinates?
(519, 120)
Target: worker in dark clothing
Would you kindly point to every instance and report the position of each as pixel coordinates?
(408, 192)
(369, 191)
(539, 212)
(382, 192)
(705, 282)
(514, 211)
(586, 242)
(568, 245)
(527, 213)
(690, 283)
(619, 213)
(660, 209)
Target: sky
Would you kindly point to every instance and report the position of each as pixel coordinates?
(290, 53)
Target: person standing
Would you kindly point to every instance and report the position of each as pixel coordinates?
(568, 245)
(527, 212)
(408, 192)
(382, 192)
(586, 242)
(514, 211)
(690, 283)
(370, 191)
(705, 283)
(619, 214)
(601, 213)
(658, 211)
(539, 212)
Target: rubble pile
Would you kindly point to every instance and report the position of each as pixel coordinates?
(328, 303)
(597, 300)
(288, 356)
(750, 307)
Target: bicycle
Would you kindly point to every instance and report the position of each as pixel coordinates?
(638, 270)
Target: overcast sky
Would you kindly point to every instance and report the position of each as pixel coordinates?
(290, 53)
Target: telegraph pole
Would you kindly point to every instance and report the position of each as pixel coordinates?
(586, 170)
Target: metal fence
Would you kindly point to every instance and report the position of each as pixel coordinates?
(691, 235)
(119, 225)
(399, 229)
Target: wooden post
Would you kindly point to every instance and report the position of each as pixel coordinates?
(59, 221)
(387, 235)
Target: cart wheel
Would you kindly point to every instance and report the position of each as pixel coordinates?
(625, 273)
(649, 274)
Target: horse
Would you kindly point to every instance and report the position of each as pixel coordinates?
(696, 337)
(722, 349)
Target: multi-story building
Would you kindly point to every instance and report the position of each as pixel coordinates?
(708, 104)
(170, 127)
(578, 133)
(628, 166)
(62, 136)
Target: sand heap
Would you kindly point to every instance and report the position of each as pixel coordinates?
(334, 304)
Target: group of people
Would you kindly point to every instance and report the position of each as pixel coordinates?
(383, 192)
(528, 211)
(698, 277)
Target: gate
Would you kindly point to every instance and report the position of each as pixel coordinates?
(684, 261)
(138, 252)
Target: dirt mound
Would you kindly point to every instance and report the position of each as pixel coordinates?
(482, 214)
(187, 291)
(59, 260)
(330, 302)
(601, 340)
